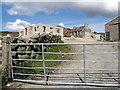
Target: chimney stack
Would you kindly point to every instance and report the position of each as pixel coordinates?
(86, 25)
(74, 27)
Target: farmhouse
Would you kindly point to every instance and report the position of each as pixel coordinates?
(112, 29)
(82, 32)
(29, 31)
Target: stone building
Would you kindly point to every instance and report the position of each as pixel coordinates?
(82, 32)
(99, 36)
(29, 31)
(112, 31)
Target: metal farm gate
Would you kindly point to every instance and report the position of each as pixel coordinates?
(82, 72)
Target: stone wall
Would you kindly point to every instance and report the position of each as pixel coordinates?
(113, 29)
(44, 38)
(29, 31)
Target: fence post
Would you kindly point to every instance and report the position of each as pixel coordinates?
(6, 63)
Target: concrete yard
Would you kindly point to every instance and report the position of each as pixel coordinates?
(93, 61)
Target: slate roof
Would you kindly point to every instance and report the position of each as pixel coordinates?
(116, 18)
(78, 29)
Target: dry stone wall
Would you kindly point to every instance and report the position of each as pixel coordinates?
(44, 38)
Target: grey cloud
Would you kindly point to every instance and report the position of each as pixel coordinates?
(91, 9)
(95, 8)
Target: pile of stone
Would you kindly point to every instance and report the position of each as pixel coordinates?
(44, 38)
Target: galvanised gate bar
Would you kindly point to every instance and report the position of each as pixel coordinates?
(83, 75)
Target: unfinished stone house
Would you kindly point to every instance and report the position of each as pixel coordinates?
(112, 30)
(29, 31)
(82, 32)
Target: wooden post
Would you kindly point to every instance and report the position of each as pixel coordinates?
(6, 63)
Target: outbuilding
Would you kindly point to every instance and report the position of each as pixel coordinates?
(112, 30)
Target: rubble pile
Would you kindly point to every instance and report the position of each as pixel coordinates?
(43, 38)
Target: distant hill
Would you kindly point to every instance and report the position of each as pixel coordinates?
(13, 34)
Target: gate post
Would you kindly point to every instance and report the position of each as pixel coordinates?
(84, 58)
(43, 58)
(6, 63)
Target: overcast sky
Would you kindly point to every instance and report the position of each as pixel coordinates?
(16, 14)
